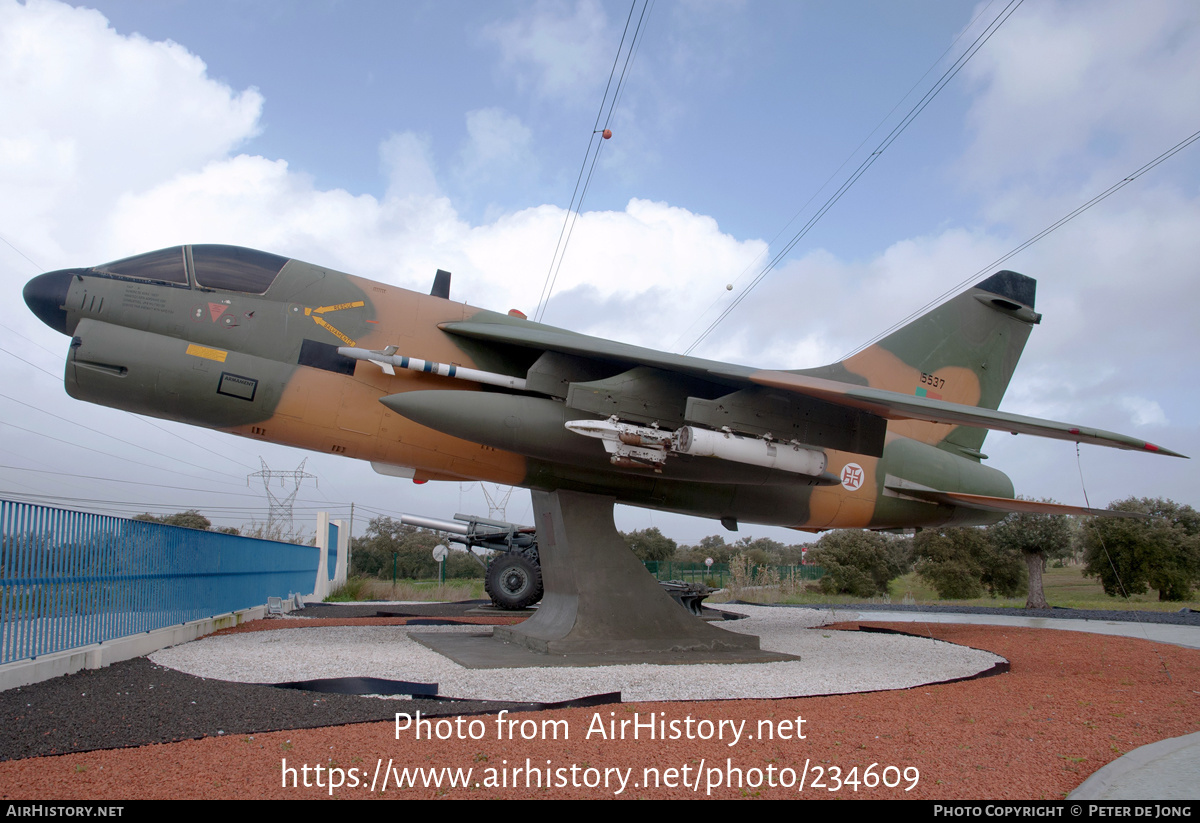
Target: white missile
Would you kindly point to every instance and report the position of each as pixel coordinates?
(770, 454)
(631, 445)
(628, 445)
(388, 359)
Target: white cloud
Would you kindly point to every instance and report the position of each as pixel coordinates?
(663, 259)
(89, 114)
(1145, 412)
(407, 161)
(558, 49)
(498, 145)
(1073, 93)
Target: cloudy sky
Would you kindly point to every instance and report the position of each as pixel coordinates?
(390, 139)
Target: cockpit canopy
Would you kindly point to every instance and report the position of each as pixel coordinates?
(163, 266)
(229, 268)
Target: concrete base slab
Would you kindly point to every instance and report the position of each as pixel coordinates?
(482, 651)
(708, 613)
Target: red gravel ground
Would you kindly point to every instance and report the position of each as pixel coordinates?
(1071, 704)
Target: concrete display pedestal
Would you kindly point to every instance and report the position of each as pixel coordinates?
(601, 606)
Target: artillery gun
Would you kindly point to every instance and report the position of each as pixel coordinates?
(514, 573)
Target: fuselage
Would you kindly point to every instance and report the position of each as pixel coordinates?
(247, 342)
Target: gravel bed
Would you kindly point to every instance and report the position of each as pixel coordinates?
(863, 662)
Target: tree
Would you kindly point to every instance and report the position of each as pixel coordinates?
(1160, 551)
(961, 563)
(650, 544)
(860, 563)
(190, 519)
(713, 546)
(1034, 536)
(385, 539)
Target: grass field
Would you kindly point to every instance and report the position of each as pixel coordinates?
(1065, 588)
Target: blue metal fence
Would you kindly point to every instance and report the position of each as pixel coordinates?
(70, 579)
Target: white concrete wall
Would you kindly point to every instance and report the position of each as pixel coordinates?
(98, 655)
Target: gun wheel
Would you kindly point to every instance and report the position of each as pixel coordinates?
(514, 581)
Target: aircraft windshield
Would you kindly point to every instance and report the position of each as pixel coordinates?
(234, 268)
(164, 266)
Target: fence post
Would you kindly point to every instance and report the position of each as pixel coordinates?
(321, 587)
(343, 553)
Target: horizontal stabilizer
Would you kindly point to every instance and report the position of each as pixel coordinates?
(987, 503)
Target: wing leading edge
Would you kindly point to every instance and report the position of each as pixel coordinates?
(887, 404)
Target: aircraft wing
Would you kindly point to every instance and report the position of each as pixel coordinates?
(886, 404)
(897, 406)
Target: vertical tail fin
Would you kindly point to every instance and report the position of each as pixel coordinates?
(963, 351)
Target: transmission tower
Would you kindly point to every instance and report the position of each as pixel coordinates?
(279, 506)
(497, 500)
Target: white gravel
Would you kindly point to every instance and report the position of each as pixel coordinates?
(831, 662)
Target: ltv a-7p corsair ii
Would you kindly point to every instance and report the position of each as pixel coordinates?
(277, 349)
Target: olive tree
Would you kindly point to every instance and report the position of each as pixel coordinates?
(1158, 551)
(389, 543)
(1033, 536)
(650, 544)
(855, 562)
(190, 519)
(962, 562)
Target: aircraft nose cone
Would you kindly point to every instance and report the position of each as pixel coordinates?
(46, 296)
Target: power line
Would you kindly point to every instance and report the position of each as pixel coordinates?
(835, 172)
(892, 136)
(1113, 189)
(106, 454)
(574, 208)
(111, 436)
(241, 494)
(170, 433)
(18, 251)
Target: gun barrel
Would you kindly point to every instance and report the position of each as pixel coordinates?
(434, 523)
(478, 527)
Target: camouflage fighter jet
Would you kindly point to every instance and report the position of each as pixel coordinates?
(423, 387)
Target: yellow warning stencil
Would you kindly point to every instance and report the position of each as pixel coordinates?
(207, 353)
(334, 331)
(339, 307)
